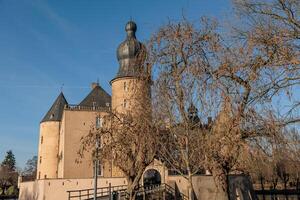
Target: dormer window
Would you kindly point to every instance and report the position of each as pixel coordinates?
(51, 116)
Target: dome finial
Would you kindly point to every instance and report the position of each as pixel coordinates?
(130, 28)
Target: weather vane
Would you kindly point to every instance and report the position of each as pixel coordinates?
(62, 87)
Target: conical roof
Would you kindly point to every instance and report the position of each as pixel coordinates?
(56, 110)
(98, 97)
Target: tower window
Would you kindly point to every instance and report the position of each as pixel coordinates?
(125, 86)
(125, 103)
(42, 138)
(40, 159)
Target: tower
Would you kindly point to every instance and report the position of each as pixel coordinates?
(130, 87)
(49, 140)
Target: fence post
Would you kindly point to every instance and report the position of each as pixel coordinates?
(164, 190)
(109, 191)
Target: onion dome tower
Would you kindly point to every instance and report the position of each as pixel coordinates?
(129, 87)
(131, 54)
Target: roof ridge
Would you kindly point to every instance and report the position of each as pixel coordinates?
(96, 97)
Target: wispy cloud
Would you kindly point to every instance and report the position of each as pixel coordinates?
(54, 17)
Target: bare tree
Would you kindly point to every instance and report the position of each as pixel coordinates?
(179, 52)
(275, 25)
(242, 77)
(128, 136)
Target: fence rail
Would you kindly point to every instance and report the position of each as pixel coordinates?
(120, 192)
(89, 193)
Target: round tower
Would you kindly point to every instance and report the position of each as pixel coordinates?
(131, 86)
(48, 157)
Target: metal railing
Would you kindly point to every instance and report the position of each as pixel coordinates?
(86, 108)
(120, 192)
(85, 194)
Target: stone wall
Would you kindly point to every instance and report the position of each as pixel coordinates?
(54, 189)
(205, 187)
(48, 150)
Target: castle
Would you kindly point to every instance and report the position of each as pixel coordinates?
(64, 125)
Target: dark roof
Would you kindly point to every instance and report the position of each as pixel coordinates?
(97, 97)
(131, 54)
(56, 110)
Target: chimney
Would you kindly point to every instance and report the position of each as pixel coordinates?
(94, 85)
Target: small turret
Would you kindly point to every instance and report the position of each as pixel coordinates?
(49, 139)
(130, 88)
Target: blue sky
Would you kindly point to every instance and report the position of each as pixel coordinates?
(47, 44)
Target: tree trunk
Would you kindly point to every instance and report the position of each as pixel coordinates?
(190, 186)
(227, 186)
(262, 187)
(133, 182)
(222, 181)
(297, 188)
(275, 182)
(131, 189)
(285, 190)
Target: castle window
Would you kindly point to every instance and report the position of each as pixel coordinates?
(125, 86)
(42, 139)
(39, 175)
(99, 122)
(40, 159)
(100, 169)
(125, 103)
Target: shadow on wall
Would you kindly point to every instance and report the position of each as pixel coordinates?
(28, 194)
(240, 188)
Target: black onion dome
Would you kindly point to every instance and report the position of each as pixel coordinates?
(131, 53)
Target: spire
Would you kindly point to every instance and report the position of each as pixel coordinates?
(56, 110)
(130, 28)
